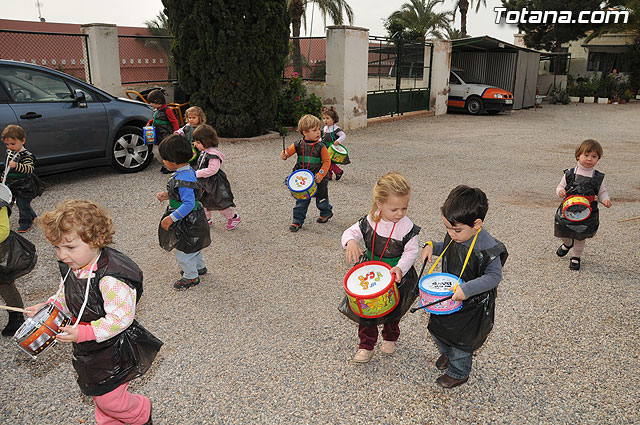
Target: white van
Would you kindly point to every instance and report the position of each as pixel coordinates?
(469, 94)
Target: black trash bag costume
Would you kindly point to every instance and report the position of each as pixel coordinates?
(407, 287)
(329, 138)
(104, 366)
(190, 234)
(17, 255)
(584, 186)
(217, 193)
(468, 328)
(24, 185)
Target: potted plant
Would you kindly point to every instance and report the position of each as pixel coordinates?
(574, 93)
(626, 96)
(589, 87)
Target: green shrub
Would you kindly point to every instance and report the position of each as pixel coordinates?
(293, 103)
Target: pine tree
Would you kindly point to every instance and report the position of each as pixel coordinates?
(229, 55)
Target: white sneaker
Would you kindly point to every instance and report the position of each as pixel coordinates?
(388, 347)
(363, 356)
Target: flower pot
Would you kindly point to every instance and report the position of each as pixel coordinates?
(574, 99)
(603, 100)
(638, 96)
(589, 99)
(623, 101)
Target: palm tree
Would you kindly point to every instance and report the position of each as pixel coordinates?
(160, 27)
(418, 15)
(454, 34)
(463, 6)
(297, 8)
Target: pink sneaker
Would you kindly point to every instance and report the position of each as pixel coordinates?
(210, 222)
(232, 223)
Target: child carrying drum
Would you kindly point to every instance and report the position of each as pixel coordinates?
(467, 246)
(389, 236)
(584, 181)
(110, 348)
(217, 190)
(332, 134)
(164, 121)
(312, 156)
(194, 116)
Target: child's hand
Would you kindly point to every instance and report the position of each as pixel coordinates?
(166, 222)
(71, 334)
(31, 310)
(283, 155)
(562, 193)
(397, 273)
(606, 203)
(427, 253)
(12, 164)
(353, 251)
(162, 196)
(318, 178)
(459, 295)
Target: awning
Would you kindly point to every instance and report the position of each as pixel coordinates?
(485, 43)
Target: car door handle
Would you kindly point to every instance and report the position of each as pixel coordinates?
(30, 116)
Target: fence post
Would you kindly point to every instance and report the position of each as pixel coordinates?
(346, 74)
(441, 65)
(104, 56)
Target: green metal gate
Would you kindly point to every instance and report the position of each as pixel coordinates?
(399, 76)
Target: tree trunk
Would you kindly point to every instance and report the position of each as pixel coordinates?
(297, 10)
(463, 5)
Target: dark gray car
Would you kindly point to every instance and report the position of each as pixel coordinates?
(71, 124)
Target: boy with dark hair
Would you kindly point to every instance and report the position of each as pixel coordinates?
(164, 120)
(184, 225)
(459, 334)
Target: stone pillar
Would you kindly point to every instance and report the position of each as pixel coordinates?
(346, 75)
(104, 57)
(440, 67)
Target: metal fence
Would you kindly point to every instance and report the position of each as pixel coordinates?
(145, 59)
(61, 51)
(308, 58)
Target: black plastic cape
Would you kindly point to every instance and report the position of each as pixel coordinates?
(190, 234)
(17, 255)
(585, 186)
(217, 193)
(408, 286)
(468, 328)
(103, 366)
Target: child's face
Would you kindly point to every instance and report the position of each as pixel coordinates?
(198, 145)
(14, 145)
(312, 134)
(193, 120)
(461, 232)
(73, 251)
(155, 105)
(394, 208)
(327, 120)
(588, 159)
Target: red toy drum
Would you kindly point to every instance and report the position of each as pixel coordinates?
(39, 332)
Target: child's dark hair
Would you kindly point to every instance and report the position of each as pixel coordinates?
(176, 148)
(156, 96)
(330, 112)
(206, 135)
(589, 145)
(13, 132)
(465, 205)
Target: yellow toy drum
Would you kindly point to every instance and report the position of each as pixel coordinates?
(338, 153)
(371, 289)
(149, 134)
(302, 184)
(576, 208)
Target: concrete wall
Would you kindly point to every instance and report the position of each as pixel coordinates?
(440, 67)
(104, 57)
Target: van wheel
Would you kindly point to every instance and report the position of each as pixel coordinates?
(474, 106)
(130, 154)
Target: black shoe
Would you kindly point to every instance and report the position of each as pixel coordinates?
(442, 363)
(322, 219)
(186, 283)
(294, 227)
(339, 175)
(165, 170)
(563, 250)
(201, 271)
(574, 264)
(15, 321)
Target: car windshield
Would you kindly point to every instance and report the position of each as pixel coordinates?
(468, 78)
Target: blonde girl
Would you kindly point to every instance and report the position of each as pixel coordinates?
(194, 117)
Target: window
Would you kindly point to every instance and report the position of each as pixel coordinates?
(453, 79)
(88, 95)
(607, 62)
(27, 85)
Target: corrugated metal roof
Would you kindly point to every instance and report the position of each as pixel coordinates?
(486, 43)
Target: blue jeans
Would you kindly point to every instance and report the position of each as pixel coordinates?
(190, 263)
(322, 202)
(459, 361)
(27, 214)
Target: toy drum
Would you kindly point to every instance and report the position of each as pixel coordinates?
(338, 153)
(39, 332)
(436, 286)
(302, 184)
(149, 135)
(371, 289)
(5, 193)
(576, 208)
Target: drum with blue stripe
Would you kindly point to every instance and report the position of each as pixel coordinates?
(302, 184)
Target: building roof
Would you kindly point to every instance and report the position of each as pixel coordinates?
(486, 43)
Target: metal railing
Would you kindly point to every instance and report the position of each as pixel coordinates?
(308, 58)
(146, 59)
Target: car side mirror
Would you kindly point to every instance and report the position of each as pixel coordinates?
(79, 98)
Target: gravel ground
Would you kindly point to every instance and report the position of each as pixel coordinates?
(260, 340)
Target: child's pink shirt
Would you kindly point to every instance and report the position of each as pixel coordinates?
(213, 166)
(603, 195)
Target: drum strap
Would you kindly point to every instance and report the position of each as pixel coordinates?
(86, 291)
(466, 260)
(373, 243)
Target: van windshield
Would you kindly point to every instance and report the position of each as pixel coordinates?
(468, 78)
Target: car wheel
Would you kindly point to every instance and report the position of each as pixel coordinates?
(474, 106)
(130, 154)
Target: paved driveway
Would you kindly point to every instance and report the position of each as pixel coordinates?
(260, 339)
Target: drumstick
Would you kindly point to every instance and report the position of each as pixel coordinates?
(20, 310)
(629, 219)
(413, 310)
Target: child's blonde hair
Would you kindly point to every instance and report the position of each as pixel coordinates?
(196, 110)
(309, 122)
(90, 221)
(589, 145)
(390, 184)
(13, 132)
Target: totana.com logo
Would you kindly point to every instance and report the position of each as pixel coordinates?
(525, 16)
